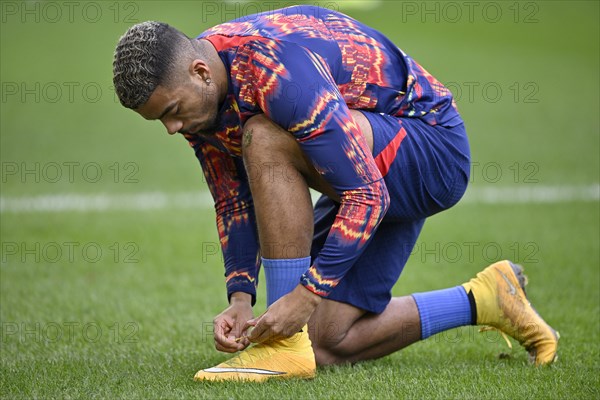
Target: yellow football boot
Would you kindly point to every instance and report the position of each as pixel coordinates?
(278, 359)
(499, 292)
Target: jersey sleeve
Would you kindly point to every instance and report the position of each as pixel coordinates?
(294, 88)
(236, 222)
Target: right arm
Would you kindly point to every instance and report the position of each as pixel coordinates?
(236, 225)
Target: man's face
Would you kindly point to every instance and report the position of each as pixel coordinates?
(190, 106)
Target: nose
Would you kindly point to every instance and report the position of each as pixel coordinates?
(172, 126)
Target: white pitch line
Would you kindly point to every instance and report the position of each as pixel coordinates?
(531, 194)
(105, 202)
(68, 202)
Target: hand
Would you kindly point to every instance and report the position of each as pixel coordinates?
(228, 325)
(285, 317)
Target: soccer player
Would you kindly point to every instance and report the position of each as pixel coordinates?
(277, 102)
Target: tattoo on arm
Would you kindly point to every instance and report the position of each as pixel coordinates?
(247, 137)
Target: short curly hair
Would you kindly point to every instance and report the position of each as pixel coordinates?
(144, 59)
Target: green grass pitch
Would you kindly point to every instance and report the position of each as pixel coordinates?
(119, 303)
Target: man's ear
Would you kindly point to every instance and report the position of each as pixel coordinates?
(199, 68)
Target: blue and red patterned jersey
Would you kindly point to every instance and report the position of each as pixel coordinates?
(305, 67)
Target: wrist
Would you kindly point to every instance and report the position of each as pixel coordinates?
(240, 298)
(308, 296)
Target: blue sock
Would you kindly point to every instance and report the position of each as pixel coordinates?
(441, 310)
(283, 275)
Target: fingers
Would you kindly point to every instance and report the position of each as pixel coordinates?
(241, 330)
(249, 325)
(229, 344)
(235, 343)
(224, 338)
(221, 327)
(243, 340)
(264, 329)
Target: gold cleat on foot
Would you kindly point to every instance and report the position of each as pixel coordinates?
(499, 292)
(278, 359)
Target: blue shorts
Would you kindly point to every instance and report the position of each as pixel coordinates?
(426, 170)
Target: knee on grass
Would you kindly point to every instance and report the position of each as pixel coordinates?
(329, 349)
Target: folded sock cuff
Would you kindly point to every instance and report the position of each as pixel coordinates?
(441, 310)
(283, 275)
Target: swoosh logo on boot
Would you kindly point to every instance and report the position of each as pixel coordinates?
(244, 371)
